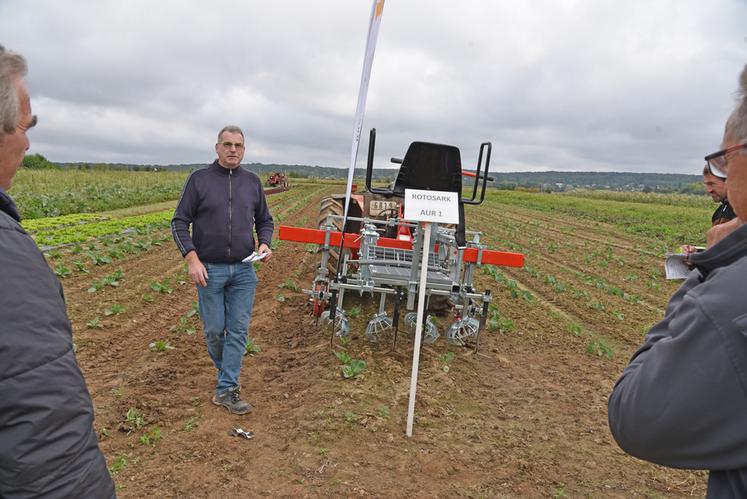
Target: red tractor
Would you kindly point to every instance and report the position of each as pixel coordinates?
(277, 179)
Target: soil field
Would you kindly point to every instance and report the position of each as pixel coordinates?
(524, 417)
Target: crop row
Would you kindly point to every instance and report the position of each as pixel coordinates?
(67, 234)
(50, 193)
(673, 225)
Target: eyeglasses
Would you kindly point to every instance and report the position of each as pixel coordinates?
(717, 161)
(32, 124)
(229, 145)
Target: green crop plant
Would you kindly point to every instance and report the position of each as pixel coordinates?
(446, 359)
(351, 368)
(193, 310)
(280, 297)
(112, 280)
(183, 326)
(114, 309)
(574, 329)
(500, 324)
(251, 347)
(80, 266)
(343, 357)
(191, 424)
(152, 437)
(134, 419)
(116, 254)
(119, 463)
(162, 286)
(354, 312)
(350, 417)
(600, 347)
(147, 297)
(62, 271)
(354, 369)
(289, 284)
(94, 323)
(100, 259)
(160, 346)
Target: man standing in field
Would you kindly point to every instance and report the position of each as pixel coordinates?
(224, 204)
(48, 446)
(715, 186)
(682, 400)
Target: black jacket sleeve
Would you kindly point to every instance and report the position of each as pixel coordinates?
(183, 217)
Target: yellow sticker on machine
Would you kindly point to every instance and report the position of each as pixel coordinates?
(377, 207)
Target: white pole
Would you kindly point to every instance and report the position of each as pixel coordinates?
(377, 9)
(419, 328)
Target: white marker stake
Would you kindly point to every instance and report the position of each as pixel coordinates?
(419, 328)
(427, 207)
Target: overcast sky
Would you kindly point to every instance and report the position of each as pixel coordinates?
(602, 85)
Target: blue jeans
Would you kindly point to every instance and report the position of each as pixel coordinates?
(226, 309)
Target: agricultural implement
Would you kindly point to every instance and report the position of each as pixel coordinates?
(278, 182)
(381, 256)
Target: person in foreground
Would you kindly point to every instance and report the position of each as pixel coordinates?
(48, 447)
(682, 400)
(224, 203)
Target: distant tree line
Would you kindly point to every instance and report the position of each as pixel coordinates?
(551, 181)
(38, 162)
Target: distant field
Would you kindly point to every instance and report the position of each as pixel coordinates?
(51, 193)
(669, 220)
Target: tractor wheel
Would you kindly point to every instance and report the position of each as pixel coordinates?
(332, 206)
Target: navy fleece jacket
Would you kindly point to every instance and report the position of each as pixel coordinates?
(223, 206)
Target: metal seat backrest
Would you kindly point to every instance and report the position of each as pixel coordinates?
(434, 167)
(428, 166)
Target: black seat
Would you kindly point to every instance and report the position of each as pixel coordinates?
(433, 167)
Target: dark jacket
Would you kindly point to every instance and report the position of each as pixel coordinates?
(682, 400)
(223, 207)
(47, 443)
(723, 213)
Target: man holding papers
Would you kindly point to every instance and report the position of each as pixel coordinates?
(224, 204)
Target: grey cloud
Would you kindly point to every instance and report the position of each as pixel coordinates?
(554, 85)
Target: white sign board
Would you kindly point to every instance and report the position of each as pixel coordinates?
(432, 206)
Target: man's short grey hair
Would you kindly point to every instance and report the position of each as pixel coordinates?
(230, 129)
(736, 125)
(12, 67)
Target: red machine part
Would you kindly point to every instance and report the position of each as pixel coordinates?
(318, 304)
(316, 236)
